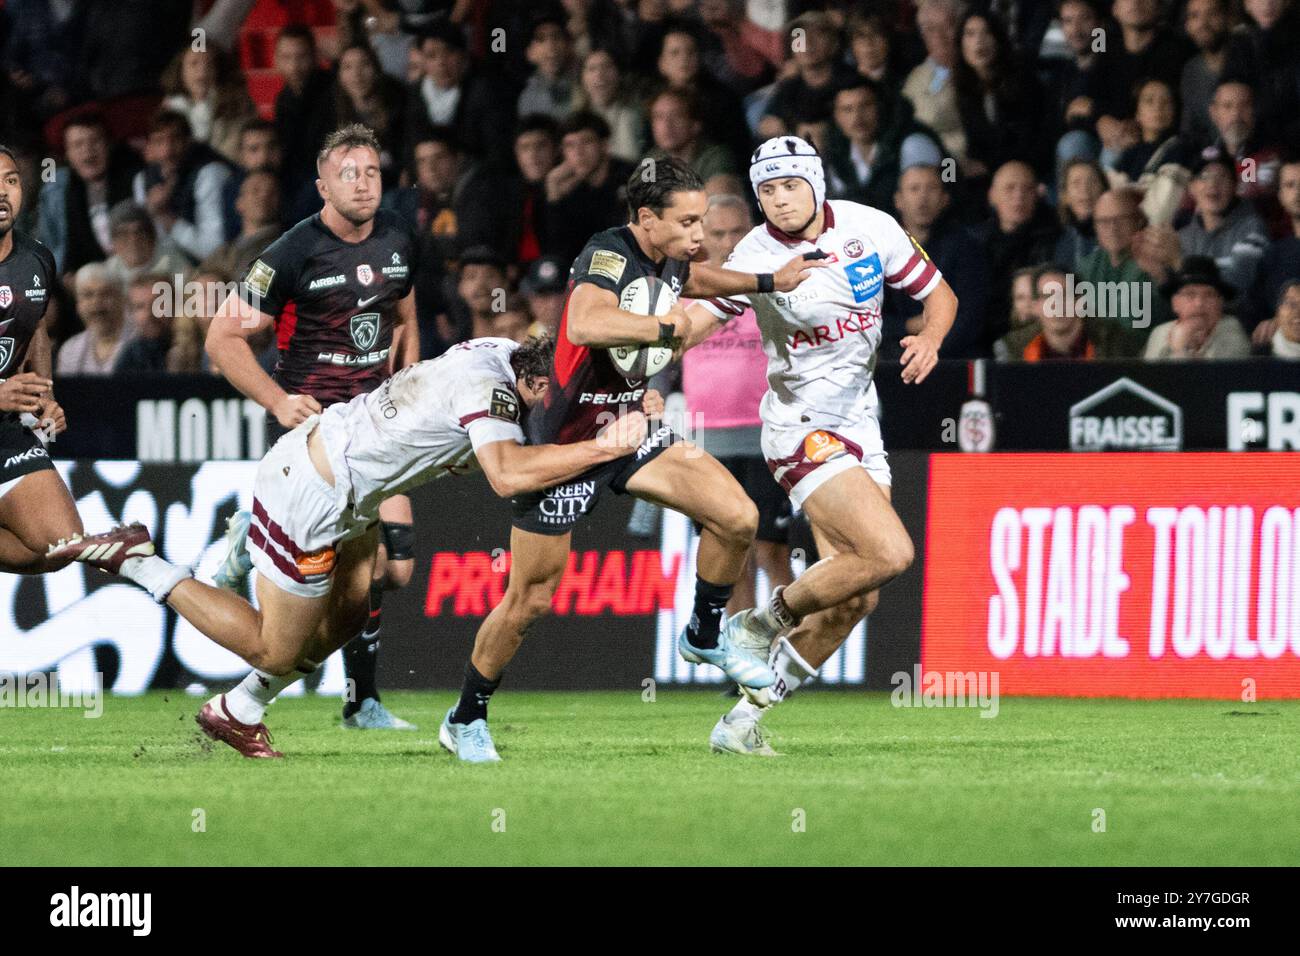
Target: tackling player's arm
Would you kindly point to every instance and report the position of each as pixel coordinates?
(406, 336)
(512, 468)
(706, 281)
(227, 345)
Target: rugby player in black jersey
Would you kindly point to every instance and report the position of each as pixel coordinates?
(665, 232)
(36, 508)
(338, 288)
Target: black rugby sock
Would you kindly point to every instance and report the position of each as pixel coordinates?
(361, 658)
(710, 604)
(474, 696)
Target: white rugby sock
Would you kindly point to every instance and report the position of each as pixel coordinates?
(774, 617)
(155, 575)
(791, 670)
(247, 702)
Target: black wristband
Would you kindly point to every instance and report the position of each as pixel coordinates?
(765, 282)
(667, 331)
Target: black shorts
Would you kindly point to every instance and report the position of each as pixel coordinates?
(557, 509)
(21, 452)
(771, 500)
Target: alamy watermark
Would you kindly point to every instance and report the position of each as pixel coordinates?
(917, 688)
(42, 690)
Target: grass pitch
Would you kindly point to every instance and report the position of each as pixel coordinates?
(605, 778)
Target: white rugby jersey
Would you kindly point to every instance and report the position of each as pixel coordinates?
(425, 422)
(821, 339)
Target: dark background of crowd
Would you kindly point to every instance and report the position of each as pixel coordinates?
(1020, 142)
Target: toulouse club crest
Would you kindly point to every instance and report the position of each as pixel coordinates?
(6, 296)
(365, 275)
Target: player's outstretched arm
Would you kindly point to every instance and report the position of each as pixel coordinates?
(227, 346)
(513, 469)
(595, 320)
(706, 281)
(703, 324)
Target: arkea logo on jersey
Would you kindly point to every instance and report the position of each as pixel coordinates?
(6, 296)
(364, 329)
(855, 323)
(326, 282)
(865, 277)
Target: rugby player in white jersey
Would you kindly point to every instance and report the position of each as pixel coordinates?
(316, 519)
(821, 432)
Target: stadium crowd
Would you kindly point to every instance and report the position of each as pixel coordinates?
(1029, 147)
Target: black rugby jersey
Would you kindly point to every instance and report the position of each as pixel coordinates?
(26, 276)
(584, 382)
(334, 304)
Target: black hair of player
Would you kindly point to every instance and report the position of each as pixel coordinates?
(532, 360)
(584, 121)
(654, 181)
(352, 136)
(6, 151)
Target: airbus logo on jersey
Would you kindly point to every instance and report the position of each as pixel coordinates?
(865, 277)
(608, 398)
(6, 296)
(326, 282)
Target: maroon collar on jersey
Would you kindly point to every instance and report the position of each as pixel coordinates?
(827, 224)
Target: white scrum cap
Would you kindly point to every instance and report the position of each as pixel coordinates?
(784, 156)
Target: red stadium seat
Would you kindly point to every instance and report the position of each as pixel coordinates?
(264, 86)
(127, 118)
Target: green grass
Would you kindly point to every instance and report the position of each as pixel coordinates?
(604, 778)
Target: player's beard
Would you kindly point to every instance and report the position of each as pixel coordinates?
(7, 223)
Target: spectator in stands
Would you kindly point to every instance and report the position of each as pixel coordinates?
(260, 149)
(515, 321)
(551, 86)
(736, 56)
(680, 67)
(1159, 142)
(676, 131)
(1284, 343)
(1201, 330)
(100, 307)
(545, 286)
(819, 72)
(602, 93)
(258, 206)
(364, 94)
(1232, 111)
(206, 87)
(74, 208)
(585, 190)
(869, 145)
(1082, 183)
(302, 108)
(999, 100)
(1022, 231)
(480, 295)
(452, 93)
(1220, 52)
(1073, 122)
(1146, 48)
(125, 46)
(182, 186)
(40, 53)
(1274, 59)
(150, 324)
(924, 210)
(380, 28)
(929, 87)
(1024, 310)
(1058, 331)
(873, 50)
(1281, 260)
(452, 202)
(136, 249)
(723, 381)
(1225, 228)
(1122, 256)
(536, 151)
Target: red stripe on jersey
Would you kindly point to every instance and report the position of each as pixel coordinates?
(568, 357)
(286, 325)
(901, 274)
(256, 539)
(726, 305)
(914, 288)
(475, 416)
(277, 533)
(789, 240)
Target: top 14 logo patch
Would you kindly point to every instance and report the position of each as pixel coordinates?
(865, 277)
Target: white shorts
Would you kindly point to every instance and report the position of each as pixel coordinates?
(804, 458)
(299, 520)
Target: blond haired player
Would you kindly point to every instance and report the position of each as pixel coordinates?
(821, 433)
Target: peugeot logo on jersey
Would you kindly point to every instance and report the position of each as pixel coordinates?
(365, 275)
(365, 330)
(865, 277)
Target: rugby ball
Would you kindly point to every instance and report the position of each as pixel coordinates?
(648, 295)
